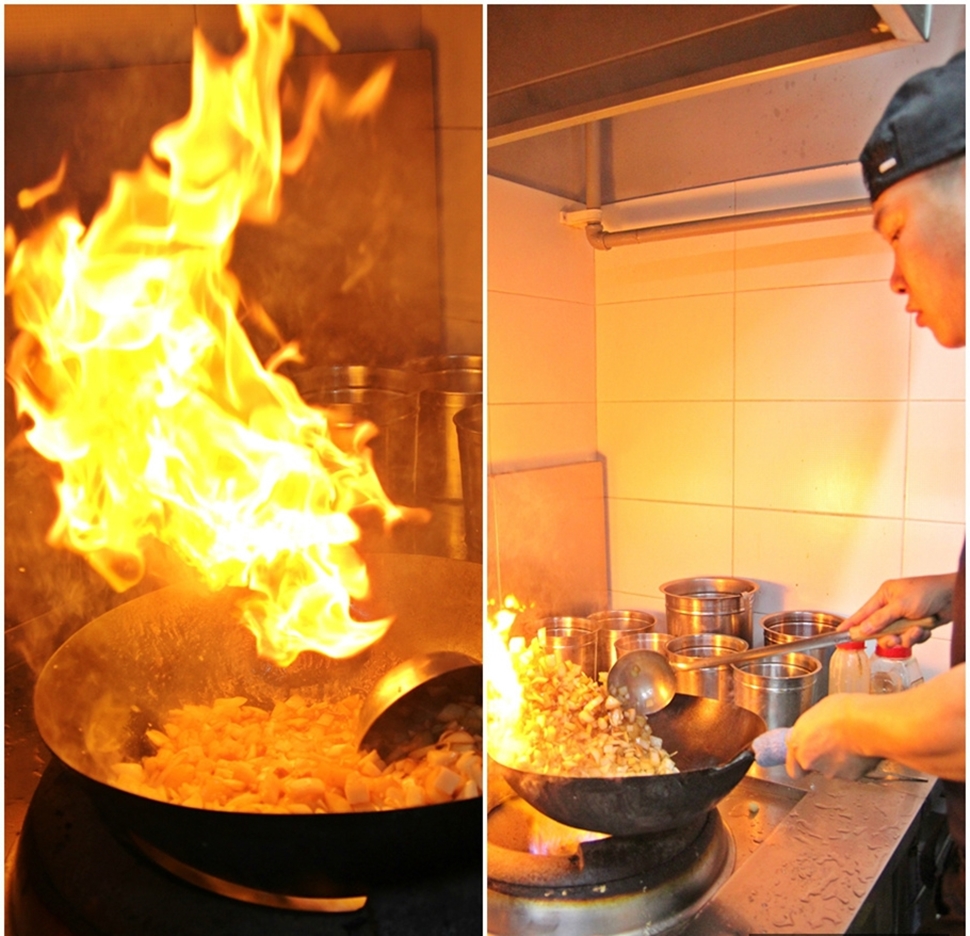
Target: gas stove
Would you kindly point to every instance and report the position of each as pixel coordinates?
(70, 875)
(776, 855)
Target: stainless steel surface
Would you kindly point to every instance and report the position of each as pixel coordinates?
(786, 626)
(468, 422)
(778, 690)
(447, 385)
(695, 662)
(597, 62)
(787, 121)
(710, 605)
(642, 641)
(610, 626)
(402, 695)
(821, 868)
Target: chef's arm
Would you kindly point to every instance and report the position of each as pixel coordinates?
(845, 734)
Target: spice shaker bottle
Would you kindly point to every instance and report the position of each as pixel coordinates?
(893, 669)
(849, 668)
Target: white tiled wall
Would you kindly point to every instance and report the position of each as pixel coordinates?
(766, 409)
(454, 32)
(764, 406)
(541, 333)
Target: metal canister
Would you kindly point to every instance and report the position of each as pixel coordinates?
(611, 625)
(713, 682)
(469, 425)
(710, 605)
(786, 626)
(384, 397)
(778, 690)
(447, 384)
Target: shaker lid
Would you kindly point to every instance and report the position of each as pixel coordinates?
(894, 653)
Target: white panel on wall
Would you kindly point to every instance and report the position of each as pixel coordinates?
(544, 350)
(529, 251)
(688, 266)
(936, 461)
(666, 349)
(840, 251)
(931, 548)
(831, 457)
(536, 435)
(667, 451)
(848, 341)
(652, 543)
(936, 373)
(820, 562)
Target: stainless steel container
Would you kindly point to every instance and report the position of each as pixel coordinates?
(778, 690)
(611, 625)
(382, 396)
(642, 640)
(711, 682)
(787, 626)
(570, 638)
(710, 605)
(468, 422)
(447, 385)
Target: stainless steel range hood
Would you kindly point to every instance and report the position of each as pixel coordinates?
(552, 67)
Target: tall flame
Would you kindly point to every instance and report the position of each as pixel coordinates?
(142, 385)
(504, 685)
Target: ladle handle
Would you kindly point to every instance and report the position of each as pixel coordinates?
(832, 639)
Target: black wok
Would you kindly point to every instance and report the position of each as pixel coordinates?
(711, 744)
(123, 672)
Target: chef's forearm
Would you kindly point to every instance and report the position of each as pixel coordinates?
(923, 727)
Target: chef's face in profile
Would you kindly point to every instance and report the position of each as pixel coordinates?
(923, 219)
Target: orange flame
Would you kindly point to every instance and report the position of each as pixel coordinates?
(504, 686)
(141, 383)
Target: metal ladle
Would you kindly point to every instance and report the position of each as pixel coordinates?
(413, 692)
(645, 680)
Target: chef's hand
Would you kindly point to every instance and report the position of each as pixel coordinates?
(922, 596)
(819, 742)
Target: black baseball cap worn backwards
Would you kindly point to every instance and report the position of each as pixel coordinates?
(924, 124)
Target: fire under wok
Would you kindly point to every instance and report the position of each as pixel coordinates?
(710, 742)
(124, 671)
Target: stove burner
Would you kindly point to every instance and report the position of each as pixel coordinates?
(71, 876)
(595, 886)
(247, 894)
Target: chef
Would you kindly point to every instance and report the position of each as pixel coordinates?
(915, 169)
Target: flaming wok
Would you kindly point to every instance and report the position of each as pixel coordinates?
(124, 671)
(710, 742)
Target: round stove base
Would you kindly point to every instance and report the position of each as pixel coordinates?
(662, 899)
(71, 877)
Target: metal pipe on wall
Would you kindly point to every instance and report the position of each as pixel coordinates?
(606, 240)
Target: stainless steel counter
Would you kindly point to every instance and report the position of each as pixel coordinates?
(834, 863)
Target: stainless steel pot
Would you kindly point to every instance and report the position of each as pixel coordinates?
(778, 690)
(710, 605)
(712, 682)
(787, 626)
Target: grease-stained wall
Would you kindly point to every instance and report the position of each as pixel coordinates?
(764, 406)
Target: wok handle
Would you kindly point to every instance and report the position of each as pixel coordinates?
(771, 747)
(831, 639)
